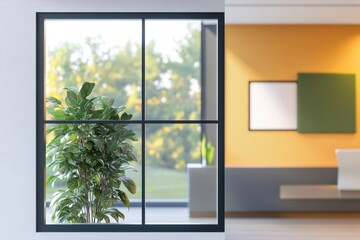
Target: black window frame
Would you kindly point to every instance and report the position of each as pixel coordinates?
(41, 122)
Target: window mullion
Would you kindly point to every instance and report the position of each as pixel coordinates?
(143, 122)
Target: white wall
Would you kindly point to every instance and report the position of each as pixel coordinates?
(17, 112)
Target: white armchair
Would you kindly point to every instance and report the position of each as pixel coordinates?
(348, 169)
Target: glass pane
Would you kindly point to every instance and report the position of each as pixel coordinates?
(181, 70)
(93, 173)
(104, 52)
(181, 186)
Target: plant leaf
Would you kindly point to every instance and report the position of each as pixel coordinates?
(49, 130)
(116, 214)
(126, 116)
(73, 137)
(124, 199)
(53, 100)
(73, 183)
(86, 89)
(106, 218)
(107, 203)
(65, 138)
(106, 101)
(51, 179)
(126, 167)
(71, 98)
(129, 183)
(57, 113)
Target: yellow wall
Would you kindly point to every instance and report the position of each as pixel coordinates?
(279, 52)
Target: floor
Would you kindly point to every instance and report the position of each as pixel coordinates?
(256, 228)
(292, 229)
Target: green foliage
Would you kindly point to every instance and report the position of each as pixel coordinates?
(92, 159)
(173, 146)
(207, 151)
(117, 74)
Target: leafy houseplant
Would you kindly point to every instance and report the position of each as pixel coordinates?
(92, 159)
(207, 151)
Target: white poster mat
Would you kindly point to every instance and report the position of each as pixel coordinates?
(273, 105)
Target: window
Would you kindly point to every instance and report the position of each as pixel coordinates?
(113, 88)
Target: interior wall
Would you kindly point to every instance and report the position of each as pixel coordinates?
(18, 110)
(279, 52)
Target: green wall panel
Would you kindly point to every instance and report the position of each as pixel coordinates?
(326, 103)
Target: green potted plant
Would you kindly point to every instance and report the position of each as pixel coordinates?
(207, 152)
(90, 158)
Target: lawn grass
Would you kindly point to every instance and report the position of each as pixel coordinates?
(162, 183)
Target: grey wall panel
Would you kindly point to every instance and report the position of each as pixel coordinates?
(258, 190)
